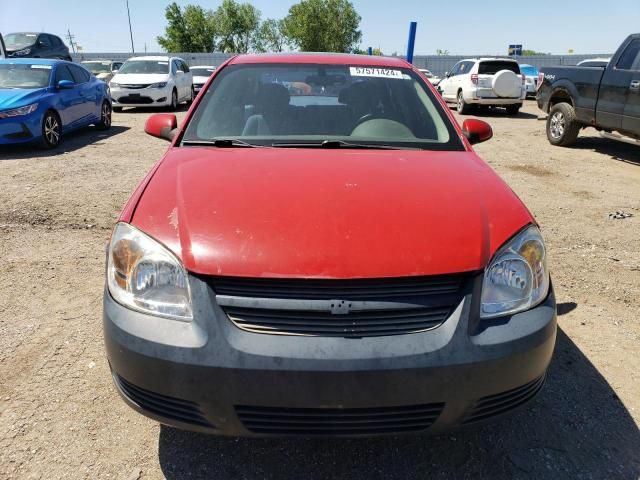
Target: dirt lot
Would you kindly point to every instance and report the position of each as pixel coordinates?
(60, 417)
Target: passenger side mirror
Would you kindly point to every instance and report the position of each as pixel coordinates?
(446, 75)
(476, 131)
(65, 84)
(162, 125)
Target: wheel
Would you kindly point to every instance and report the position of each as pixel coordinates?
(562, 126)
(51, 130)
(513, 109)
(174, 101)
(117, 109)
(192, 97)
(105, 117)
(462, 107)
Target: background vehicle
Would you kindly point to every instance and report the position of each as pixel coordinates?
(435, 80)
(152, 82)
(607, 99)
(35, 45)
(103, 69)
(530, 78)
(2, 48)
(40, 100)
(594, 62)
(323, 285)
(493, 82)
(201, 74)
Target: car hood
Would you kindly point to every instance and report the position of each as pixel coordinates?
(14, 98)
(140, 78)
(307, 213)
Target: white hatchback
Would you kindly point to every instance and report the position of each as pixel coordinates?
(152, 82)
(495, 82)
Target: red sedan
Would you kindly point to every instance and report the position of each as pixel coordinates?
(321, 252)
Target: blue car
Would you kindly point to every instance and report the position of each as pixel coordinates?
(530, 78)
(40, 100)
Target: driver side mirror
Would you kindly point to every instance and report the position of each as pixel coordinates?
(162, 125)
(476, 131)
(65, 84)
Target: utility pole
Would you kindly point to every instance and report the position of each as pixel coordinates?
(70, 38)
(130, 30)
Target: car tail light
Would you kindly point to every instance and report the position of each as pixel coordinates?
(474, 78)
(524, 79)
(540, 79)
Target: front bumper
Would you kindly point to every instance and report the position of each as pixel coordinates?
(210, 376)
(22, 129)
(142, 97)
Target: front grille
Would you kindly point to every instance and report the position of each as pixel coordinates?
(338, 308)
(338, 421)
(182, 411)
(137, 100)
(134, 87)
(504, 402)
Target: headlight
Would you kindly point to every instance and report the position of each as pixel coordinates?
(17, 112)
(517, 278)
(114, 85)
(24, 51)
(144, 275)
(158, 85)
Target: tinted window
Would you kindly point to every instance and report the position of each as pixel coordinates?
(494, 66)
(185, 67)
(629, 56)
(44, 40)
(465, 67)
(56, 42)
(20, 39)
(80, 74)
(455, 69)
(202, 72)
(117, 65)
(298, 103)
(63, 73)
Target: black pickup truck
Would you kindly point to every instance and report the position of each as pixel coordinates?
(605, 98)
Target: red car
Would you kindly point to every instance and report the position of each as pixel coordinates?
(321, 252)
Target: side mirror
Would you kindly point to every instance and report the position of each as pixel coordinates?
(446, 74)
(115, 70)
(65, 84)
(476, 131)
(162, 125)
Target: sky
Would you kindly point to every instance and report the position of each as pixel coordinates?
(463, 27)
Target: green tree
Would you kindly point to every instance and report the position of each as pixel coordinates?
(191, 29)
(532, 53)
(441, 52)
(270, 36)
(323, 26)
(237, 26)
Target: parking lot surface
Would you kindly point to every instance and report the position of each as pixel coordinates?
(60, 416)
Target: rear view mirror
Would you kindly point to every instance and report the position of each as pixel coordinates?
(162, 125)
(476, 131)
(65, 84)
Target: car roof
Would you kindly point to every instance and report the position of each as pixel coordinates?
(33, 61)
(324, 58)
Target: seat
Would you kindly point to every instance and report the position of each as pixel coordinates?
(273, 115)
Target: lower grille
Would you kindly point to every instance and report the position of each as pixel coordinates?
(500, 403)
(338, 421)
(138, 100)
(162, 405)
(134, 87)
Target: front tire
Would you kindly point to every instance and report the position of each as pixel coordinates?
(462, 107)
(51, 130)
(562, 126)
(105, 117)
(174, 101)
(192, 97)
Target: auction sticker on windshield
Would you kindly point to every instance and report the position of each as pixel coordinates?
(42, 67)
(375, 72)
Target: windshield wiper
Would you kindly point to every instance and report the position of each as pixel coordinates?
(222, 143)
(342, 144)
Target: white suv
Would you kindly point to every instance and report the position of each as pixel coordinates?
(495, 82)
(152, 82)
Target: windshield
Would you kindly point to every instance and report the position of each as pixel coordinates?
(24, 76)
(529, 71)
(271, 104)
(202, 72)
(97, 67)
(20, 39)
(145, 66)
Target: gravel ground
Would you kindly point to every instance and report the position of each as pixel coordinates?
(60, 417)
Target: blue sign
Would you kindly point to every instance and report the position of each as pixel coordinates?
(515, 50)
